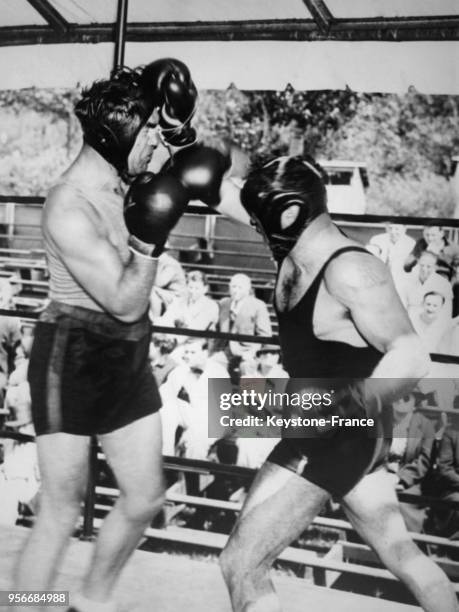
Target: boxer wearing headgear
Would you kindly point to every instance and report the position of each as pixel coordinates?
(340, 321)
(265, 200)
(112, 113)
(89, 370)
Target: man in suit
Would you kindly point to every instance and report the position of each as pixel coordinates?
(241, 313)
(447, 521)
(410, 456)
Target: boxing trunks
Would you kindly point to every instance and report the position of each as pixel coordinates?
(89, 373)
(337, 460)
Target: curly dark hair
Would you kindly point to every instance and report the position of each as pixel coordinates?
(111, 113)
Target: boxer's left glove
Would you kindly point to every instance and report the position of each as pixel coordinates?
(168, 86)
(201, 169)
(153, 206)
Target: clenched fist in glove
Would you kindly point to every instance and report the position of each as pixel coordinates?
(153, 205)
(168, 86)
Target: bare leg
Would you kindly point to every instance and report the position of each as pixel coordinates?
(372, 507)
(134, 453)
(63, 462)
(280, 505)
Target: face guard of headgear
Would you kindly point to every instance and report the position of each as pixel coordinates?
(112, 113)
(168, 86)
(277, 186)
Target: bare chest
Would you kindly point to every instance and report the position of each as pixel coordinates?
(112, 225)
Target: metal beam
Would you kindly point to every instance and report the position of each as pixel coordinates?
(120, 35)
(394, 30)
(320, 13)
(50, 15)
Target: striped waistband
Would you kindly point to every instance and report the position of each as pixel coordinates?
(95, 321)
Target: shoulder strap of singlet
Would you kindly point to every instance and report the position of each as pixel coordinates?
(312, 291)
(337, 254)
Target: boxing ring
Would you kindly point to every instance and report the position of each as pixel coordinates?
(170, 583)
(324, 568)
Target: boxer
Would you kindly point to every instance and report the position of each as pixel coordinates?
(89, 369)
(340, 318)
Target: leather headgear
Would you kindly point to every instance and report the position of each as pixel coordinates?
(168, 86)
(112, 113)
(273, 188)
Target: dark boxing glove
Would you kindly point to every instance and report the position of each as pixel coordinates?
(153, 205)
(168, 86)
(200, 169)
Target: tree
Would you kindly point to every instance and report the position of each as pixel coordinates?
(264, 122)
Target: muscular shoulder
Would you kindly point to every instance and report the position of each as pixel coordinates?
(67, 213)
(355, 273)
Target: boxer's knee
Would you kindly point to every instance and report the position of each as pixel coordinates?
(141, 507)
(59, 515)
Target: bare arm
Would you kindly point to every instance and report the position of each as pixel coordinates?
(364, 286)
(230, 202)
(122, 288)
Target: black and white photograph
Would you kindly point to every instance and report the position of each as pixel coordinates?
(229, 305)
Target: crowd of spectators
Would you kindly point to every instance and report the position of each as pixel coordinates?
(424, 455)
(425, 276)
(19, 477)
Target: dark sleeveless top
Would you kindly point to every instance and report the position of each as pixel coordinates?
(306, 356)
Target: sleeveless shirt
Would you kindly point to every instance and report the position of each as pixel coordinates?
(306, 356)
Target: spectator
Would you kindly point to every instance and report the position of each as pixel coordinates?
(433, 328)
(162, 347)
(20, 468)
(422, 280)
(268, 362)
(17, 398)
(454, 258)
(434, 241)
(10, 331)
(241, 313)
(393, 247)
(410, 456)
(446, 521)
(169, 284)
(195, 310)
(185, 399)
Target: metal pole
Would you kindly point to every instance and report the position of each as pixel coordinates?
(120, 34)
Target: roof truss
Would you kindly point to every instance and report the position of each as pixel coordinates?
(50, 15)
(322, 26)
(408, 29)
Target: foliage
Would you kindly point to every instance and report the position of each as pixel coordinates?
(407, 141)
(268, 122)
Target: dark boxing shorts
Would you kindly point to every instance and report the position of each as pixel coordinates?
(336, 464)
(89, 373)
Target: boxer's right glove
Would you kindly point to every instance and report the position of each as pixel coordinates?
(168, 86)
(153, 205)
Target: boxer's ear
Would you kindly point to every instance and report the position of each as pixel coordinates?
(289, 216)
